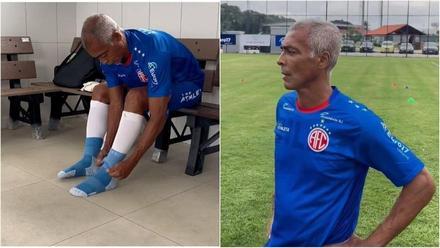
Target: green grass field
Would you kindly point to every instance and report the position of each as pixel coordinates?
(251, 87)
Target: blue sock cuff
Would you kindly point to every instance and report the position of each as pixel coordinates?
(112, 158)
(92, 146)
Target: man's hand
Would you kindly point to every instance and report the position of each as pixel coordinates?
(122, 170)
(100, 158)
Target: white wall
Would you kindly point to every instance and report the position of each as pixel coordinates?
(52, 27)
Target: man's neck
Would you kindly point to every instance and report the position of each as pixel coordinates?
(126, 54)
(315, 94)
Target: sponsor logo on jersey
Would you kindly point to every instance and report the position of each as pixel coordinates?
(318, 138)
(152, 66)
(190, 95)
(122, 75)
(325, 115)
(282, 128)
(141, 76)
(287, 107)
(401, 147)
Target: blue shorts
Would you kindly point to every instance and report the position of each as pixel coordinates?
(185, 95)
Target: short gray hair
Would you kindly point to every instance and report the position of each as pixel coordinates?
(100, 27)
(321, 37)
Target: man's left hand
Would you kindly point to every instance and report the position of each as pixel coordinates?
(122, 169)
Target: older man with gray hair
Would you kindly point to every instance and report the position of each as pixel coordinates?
(325, 143)
(146, 71)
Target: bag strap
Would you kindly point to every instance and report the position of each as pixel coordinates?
(71, 55)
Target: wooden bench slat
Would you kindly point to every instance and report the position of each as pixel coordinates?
(55, 88)
(26, 91)
(18, 70)
(209, 80)
(16, 45)
(203, 49)
(202, 111)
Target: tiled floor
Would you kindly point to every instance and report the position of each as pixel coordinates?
(156, 205)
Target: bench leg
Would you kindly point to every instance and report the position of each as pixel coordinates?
(14, 112)
(35, 115)
(56, 106)
(162, 143)
(196, 157)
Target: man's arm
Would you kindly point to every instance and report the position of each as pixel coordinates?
(158, 116)
(114, 116)
(412, 199)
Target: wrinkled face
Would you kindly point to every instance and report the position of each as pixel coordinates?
(297, 65)
(106, 53)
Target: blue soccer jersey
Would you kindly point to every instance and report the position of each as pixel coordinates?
(321, 161)
(158, 61)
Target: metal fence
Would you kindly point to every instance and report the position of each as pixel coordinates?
(368, 27)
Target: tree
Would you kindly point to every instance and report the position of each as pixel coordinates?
(249, 21)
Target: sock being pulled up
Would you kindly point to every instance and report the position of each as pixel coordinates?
(101, 181)
(86, 165)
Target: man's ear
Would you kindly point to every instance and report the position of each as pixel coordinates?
(324, 60)
(116, 36)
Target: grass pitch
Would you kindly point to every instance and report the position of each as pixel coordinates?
(251, 87)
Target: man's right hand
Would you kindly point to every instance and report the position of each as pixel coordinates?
(100, 158)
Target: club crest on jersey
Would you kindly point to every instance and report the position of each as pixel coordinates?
(141, 76)
(318, 138)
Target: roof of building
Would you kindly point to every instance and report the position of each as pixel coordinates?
(394, 29)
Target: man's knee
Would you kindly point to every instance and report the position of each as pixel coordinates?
(136, 100)
(100, 93)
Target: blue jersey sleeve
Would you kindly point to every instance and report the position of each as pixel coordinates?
(384, 152)
(159, 70)
(110, 77)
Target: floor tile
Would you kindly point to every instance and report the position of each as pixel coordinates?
(14, 178)
(120, 232)
(190, 218)
(143, 187)
(45, 161)
(42, 214)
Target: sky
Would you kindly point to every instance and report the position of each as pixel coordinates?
(421, 14)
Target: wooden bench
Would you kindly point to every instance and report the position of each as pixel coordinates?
(199, 119)
(13, 71)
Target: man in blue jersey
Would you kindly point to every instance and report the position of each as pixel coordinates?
(146, 71)
(325, 143)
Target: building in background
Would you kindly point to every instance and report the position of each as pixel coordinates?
(414, 21)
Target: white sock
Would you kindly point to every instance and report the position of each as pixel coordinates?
(97, 119)
(129, 129)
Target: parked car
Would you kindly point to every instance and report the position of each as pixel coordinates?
(348, 46)
(366, 47)
(429, 48)
(406, 48)
(387, 47)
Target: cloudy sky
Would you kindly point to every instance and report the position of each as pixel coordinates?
(421, 13)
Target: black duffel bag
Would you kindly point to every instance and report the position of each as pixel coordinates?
(76, 69)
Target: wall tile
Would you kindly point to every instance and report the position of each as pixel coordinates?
(135, 15)
(45, 57)
(166, 17)
(41, 21)
(114, 10)
(13, 19)
(66, 16)
(200, 20)
(84, 10)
